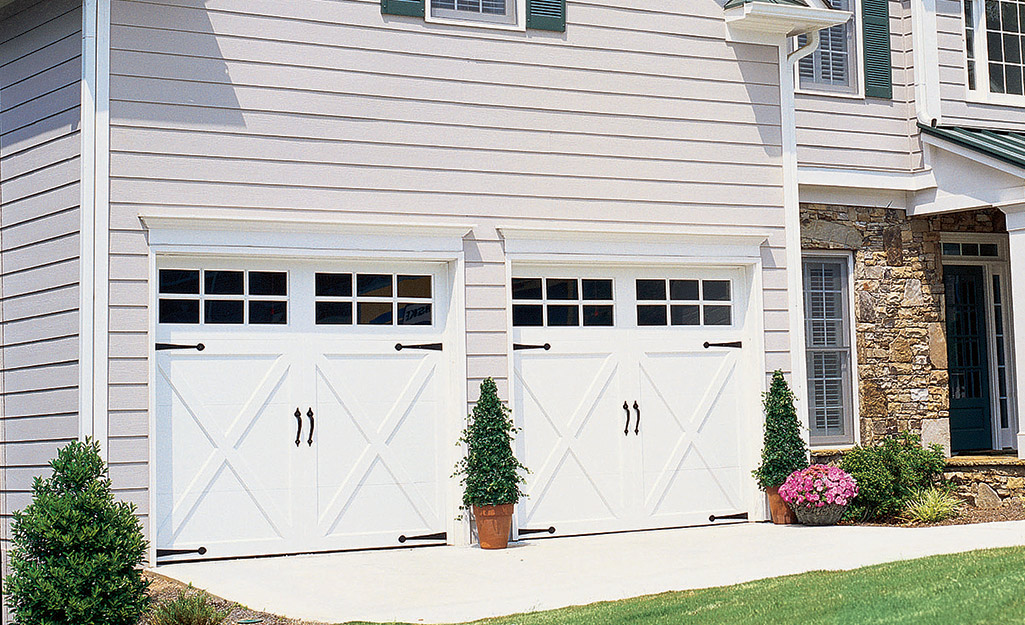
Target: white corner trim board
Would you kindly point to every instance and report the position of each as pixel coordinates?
(95, 221)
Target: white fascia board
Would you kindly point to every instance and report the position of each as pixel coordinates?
(680, 243)
(760, 22)
(862, 179)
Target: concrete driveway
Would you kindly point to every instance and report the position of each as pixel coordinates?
(454, 584)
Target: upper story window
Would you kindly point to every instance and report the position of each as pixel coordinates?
(494, 11)
(834, 66)
(994, 40)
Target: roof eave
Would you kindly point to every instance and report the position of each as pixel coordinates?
(784, 20)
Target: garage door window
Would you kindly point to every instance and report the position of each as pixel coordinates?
(684, 302)
(376, 299)
(222, 297)
(562, 302)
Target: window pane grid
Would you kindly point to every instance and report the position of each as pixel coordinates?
(1001, 57)
(690, 302)
(222, 297)
(563, 302)
(370, 299)
(827, 326)
(830, 64)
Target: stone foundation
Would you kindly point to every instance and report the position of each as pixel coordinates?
(899, 319)
(1005, 477)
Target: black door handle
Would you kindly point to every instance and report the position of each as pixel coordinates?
(637, 423)
(299, 424)
(309, 414)
(626, 430)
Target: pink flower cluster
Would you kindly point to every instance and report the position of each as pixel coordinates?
(818, 485)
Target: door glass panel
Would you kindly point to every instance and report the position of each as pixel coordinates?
(268, 313)
(526, 288)
(716, 290)
(414, 314)
(559, 315)
(334, 284)
(223, 311)
(414, 286)
(651, 289)
(223, 282)
(334, 313)
(683, 290)
(598, 316)
(648, 315)
(179, 281)
(686, 315)
(268, 283)
(718, 316)
(561, 288)
(373, 285)
(374, 313)
(600, 290)
(528, 315)
(179, 311)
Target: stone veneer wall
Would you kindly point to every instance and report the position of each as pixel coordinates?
(898, 284)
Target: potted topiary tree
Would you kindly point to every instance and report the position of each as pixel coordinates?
(77, 552)
(783, 450)
(491, 473)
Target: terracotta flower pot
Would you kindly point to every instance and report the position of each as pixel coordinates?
(493, 525)
(780, 511)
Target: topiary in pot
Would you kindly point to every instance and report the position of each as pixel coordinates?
(783, 450)
(491, 473)
(76, 551)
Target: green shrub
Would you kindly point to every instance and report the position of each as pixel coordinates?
(783, 449)
(491, 473)
(76, 551)
(931, 506)
(189, 608)
(890, 473)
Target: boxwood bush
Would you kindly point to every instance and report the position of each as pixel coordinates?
(890, 473)
(77, 551)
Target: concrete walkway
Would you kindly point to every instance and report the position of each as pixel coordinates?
(454, 584)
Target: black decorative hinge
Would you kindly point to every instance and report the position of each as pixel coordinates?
(166, 346)
(433, 347)
(526, 532)
(741, 516)
(520, 347)
(163, 553)
(733, 344)
(438, 536)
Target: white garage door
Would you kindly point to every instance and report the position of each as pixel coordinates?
(629, 421)
(300, 426)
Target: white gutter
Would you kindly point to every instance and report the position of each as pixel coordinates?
(95, 223)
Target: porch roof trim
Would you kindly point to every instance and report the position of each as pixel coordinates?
(1003, 145)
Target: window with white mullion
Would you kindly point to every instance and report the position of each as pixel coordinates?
(828, 350)
(500, 11)
(995, 46)
(832, 66)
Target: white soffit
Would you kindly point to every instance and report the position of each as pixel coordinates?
(330, 232)
(620, 243)
(758, 22)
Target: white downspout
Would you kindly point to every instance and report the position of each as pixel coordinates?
(792, 221)
(925, 56)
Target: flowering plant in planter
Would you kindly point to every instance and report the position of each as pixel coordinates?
(819, 494)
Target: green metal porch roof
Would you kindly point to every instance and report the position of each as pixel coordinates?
(1003, 145)
(737, 3)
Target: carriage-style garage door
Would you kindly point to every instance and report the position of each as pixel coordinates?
(300, 425)
(629, 421)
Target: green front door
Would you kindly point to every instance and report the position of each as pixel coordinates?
(968, 365)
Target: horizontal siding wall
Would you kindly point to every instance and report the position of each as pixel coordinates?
(956, 109)
(639, 114)
(40, 94)
(869, 133)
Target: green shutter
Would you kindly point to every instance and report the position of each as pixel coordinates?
(547, 15)
(414, 8)
(878, 67)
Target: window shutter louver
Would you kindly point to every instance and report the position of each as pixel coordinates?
(546, 15)
(878, 68)
(413, 8)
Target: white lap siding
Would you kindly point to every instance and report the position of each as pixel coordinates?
(638, 115)
(40, 93)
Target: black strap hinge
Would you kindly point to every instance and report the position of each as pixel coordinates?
(163, 553)
(433, 347)
(740, 516)
(520, 347)
(438, 536)
(166, 346)
(527, 532)
(733, 344)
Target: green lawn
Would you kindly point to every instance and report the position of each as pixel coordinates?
(975, 587)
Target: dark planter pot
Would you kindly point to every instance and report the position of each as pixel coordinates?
(493, 525)
(778, 509)
(829, 514)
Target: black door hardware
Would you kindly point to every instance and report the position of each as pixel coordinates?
(432, 347)
(733, 344)
(742, 516)
(637, 423)
(518, 347)
(626, 430)
(438, 536)
(526, 532)
(299, 426)
(166, 346)
(162, 553)
(309, 414)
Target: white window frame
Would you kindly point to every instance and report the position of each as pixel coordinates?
(981, 94)
(516, 19)
(855, 381)
(999, 265)
(856, 63)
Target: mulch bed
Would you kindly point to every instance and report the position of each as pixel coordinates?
(1011, 510)
(163, 589)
